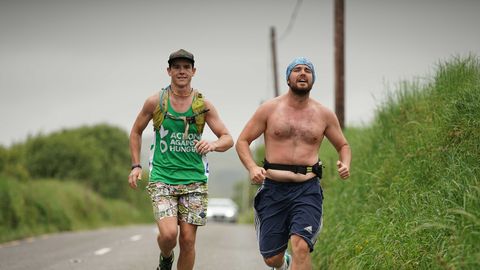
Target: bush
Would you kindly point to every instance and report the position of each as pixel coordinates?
(98, 156)
(45, 206)
(413, 200)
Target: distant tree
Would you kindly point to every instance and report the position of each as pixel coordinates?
(95, 155)
(12, 162)
(3, 158)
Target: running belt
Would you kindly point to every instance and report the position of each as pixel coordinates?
(316, 168)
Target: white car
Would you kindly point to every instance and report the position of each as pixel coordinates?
(222, 210)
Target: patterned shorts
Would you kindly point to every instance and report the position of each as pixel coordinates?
(187, 202)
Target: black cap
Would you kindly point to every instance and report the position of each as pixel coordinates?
(181, 54)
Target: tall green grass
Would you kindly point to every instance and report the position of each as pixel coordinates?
(45, 206)
(68, 180)
(413, 199)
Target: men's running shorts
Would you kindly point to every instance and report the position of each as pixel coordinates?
(283, 209)
(187, 202)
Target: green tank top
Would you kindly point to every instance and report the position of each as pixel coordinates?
(173, 158)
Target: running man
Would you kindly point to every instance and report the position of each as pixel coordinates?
(178, 165)
(288, 205)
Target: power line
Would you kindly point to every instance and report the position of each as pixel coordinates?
(292, 20)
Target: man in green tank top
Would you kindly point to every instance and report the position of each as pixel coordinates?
(178, 164)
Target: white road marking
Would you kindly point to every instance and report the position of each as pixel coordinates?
(136, 237)
(102, 251)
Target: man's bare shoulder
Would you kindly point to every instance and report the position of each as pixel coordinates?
(211, 109)
(269, 104)
(265, 109)
(208, 103)
(325, 113)
(152, 102)
(320, 107)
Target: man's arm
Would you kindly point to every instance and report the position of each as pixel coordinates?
(139, 125)
(335, 135)
(252, 130)
(224, 141)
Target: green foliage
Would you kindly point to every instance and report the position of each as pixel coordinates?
(90, 166)
(413, 200)
(13, 160)
(245, 191)
(45, 206)
(97, 155)
(3, 157)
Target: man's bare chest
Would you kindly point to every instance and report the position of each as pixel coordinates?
(305, 129)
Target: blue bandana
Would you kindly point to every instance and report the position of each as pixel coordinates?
(300, 61)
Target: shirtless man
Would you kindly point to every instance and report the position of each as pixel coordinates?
(288, 205)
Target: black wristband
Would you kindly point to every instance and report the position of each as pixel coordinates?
(136, 166)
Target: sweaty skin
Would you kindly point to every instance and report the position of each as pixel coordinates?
(293, 126)
(296, 127)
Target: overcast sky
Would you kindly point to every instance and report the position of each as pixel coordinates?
(68, 63)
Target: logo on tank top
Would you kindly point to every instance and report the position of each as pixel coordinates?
(163, 144)
(175, 142)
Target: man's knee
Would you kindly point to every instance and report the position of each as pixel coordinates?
(168, 237)
(300, 246)
(168, 231)
(274, 261)
(187, 241)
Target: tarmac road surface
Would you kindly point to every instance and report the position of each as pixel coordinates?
(219, 246)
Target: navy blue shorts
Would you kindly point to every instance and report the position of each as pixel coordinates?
(283, 209)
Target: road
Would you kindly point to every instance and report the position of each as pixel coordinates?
(219, 246)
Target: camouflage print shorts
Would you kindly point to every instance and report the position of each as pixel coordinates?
(187, 202)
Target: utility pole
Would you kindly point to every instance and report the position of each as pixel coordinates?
(274, 60)
(340, 62)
